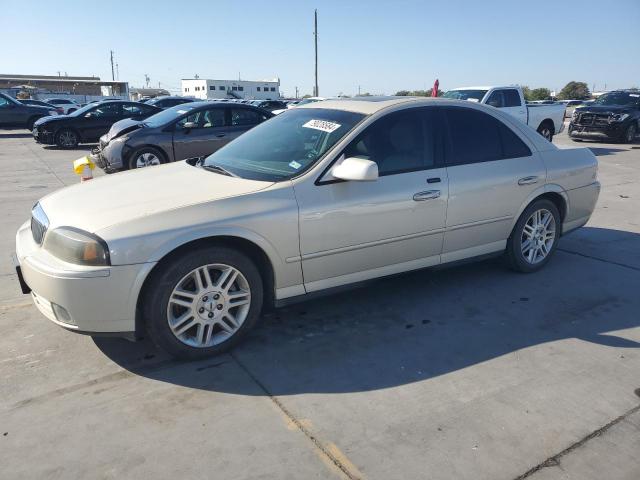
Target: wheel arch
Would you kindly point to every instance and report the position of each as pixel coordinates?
(250, 248)
(550, 122)
(552, 192)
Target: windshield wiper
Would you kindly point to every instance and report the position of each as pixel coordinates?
(217, 169)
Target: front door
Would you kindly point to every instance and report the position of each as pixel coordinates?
(492, 172)
(98, 121)
(200, 133)
(352, 231)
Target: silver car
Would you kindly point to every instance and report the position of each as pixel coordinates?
(323, 195)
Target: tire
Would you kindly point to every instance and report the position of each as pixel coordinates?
(526, 260)
(67, 138)
(149, 155)
(630, 133)
(180, 316)
(546, 130)
(576, 139)
(31, 121)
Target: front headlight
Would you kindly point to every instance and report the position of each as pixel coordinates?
(619, 117)
(575, 114)
(77, 246)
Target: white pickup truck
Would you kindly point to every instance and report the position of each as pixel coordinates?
(547, 119)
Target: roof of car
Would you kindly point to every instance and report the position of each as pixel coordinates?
(366, 105)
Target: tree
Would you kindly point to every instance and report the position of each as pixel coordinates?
(540, 94)
(416, 93)
(575, 91)
(365, 94)
(526, 91)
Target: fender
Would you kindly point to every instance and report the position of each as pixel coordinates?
(548, 188)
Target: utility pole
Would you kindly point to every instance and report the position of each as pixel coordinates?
(113, 75)
(296, 92)
(358, 90)
(147, 79)
(117, 72)
(315, 35)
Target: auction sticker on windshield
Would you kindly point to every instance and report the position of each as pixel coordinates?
(322, 125)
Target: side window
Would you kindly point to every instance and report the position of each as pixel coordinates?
(473, 136)
(106, 110)
(397, 142)
(131, 110)
(212, 118)
(511, 98)
(4, 102)
(496, 99)
(512, 146)
(245, 116)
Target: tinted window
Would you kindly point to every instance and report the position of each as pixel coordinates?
(4, 102)
(399, 142)
(245, 116)
(473, 136)
(107, 110)
(511, 98)
(131, 110)
(496, 99)
(512, 146)
(204, 118)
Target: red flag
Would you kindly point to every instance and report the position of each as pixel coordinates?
(434, 90)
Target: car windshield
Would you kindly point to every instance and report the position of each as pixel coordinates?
(618, 98)
(168, 115)
(286, 145)
(471, 95)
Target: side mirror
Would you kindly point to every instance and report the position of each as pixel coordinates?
(89, 115)
(356, 170)
(189, 125)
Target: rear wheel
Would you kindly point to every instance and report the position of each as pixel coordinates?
(146, 157)
(67, 138)
(534, 237)
(546, 130)
(203, 302)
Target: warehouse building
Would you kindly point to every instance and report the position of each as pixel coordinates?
(210, 89)
(64, 85)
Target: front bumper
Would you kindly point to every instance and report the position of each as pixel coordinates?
(94, 300)
(612, 130)
(43, 136)
(108, 155)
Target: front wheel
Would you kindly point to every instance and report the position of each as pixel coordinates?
(534, 237)
(203, 302)
(630, 133)
(67, 138)
(146, 157)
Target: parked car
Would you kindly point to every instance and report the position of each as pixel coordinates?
(166, 102)
(548, 120)
(269, 105)
(327, 195)
(40, 103)
(613, 115)
(87, 124)
(304, 101)
(184, 131)
(16, 114)
(68, 106)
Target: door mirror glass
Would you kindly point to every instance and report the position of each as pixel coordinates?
(356, 170)
(189, 125)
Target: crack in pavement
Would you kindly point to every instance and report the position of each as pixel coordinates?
(623, 265)
(555, 460)
(330, 451)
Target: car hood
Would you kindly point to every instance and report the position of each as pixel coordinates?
(121, 127)
(604, 109)
(131, 195)
(51, 119)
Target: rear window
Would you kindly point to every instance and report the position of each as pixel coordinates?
(511, 98)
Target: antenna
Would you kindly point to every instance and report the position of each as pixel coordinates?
(315, 35)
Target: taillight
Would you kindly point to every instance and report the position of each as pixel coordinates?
(60, 110)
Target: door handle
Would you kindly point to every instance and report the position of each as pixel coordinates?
(428, 195)
(220, 135)
(528, 180)
(433, 180)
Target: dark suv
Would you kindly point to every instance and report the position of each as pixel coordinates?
(614, 115)
(167, 102)
(16, 114)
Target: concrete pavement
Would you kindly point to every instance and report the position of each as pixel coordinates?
(470, 372)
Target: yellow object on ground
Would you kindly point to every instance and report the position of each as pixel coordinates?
(81, 163)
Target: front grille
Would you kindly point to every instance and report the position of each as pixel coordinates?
(593, 119)
(39, 224)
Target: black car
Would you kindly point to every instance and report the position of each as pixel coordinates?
(89, 123)
(16, 114)
(270, 105)
(189, 130)
(40, 103)
(167, 102)
(614, 115)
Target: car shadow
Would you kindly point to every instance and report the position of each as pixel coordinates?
(602, 151)
(85, 147)
(414, 327)
(14, 135)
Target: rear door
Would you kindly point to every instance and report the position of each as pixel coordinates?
(492, 170)
(200, 133)
(11, 113)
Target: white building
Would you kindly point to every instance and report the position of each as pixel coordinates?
(205, 89)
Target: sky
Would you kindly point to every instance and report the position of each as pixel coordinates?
(376, 46)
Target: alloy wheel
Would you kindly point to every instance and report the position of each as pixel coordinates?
(68, 139)
(208, 305)
(147, 159)
(538, 236)
(546, 133)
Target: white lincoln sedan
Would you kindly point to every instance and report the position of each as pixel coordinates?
(321, 196)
